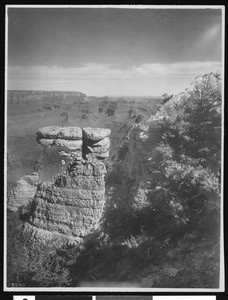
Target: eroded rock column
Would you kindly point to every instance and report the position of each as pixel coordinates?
(73, 204)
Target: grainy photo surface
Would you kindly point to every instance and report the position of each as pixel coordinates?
(114, 148)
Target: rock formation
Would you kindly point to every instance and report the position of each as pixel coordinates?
(71, 206)
(24, 191)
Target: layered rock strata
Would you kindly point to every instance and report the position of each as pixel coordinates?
(71, 206)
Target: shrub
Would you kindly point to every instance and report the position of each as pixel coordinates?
(186, 164)
(30, 263)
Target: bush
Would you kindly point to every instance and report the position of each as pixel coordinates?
(186, 164)
(184, 171)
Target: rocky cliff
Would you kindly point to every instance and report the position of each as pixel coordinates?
(70, 207)
(20, 96)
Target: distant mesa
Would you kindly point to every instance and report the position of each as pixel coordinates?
(21, 95)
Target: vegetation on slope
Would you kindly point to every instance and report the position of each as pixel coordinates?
(170, 238)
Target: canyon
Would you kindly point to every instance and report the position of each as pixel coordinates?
(29, 110)
(104, 190)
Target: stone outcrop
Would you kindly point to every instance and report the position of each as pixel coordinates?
(24, 191)
(97, 142)
(71, 206)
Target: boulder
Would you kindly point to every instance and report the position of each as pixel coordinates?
(70, 133)
(95, 134)
(46, 142)
(48, 132)
(67, 133)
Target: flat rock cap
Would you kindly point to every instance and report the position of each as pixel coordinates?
(71, 133)
(96, 134)
(66, 133)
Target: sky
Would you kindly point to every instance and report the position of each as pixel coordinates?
(111, 51)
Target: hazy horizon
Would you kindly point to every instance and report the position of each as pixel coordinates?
(76, 91)
(112, 51)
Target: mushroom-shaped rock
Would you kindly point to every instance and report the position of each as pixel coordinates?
(96, 134)
(71, 204)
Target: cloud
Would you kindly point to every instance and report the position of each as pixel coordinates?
(101, 79)
(180, 68)
(212, 33)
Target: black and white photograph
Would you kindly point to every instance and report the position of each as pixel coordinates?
(114, 148)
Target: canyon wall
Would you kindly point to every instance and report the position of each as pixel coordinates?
(20, 96)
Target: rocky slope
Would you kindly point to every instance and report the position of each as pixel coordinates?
(70, 207)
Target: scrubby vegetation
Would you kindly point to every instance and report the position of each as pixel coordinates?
(184, 168)
(32, 264)
(171, 237)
